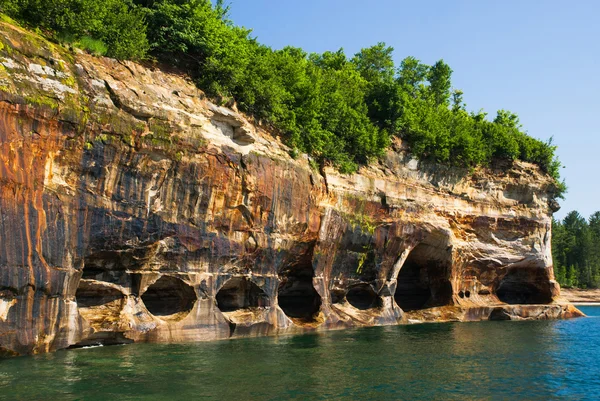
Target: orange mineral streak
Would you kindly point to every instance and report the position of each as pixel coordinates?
(26, 141)
(93, 215)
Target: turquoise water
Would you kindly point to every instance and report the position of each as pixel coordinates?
(542, 360)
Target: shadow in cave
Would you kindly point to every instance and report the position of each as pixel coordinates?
(100, 305)
(169, 296)
(363, 297)
(90, 295)
(424, 279)
(297, 296)
(241, 293)
(524, 286)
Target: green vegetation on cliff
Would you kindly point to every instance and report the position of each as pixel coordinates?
(576, 250)
(113, 27)
(339, 109)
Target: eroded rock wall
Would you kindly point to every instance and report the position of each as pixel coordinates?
(133, 209)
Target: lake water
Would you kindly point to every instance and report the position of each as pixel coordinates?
(540, 360)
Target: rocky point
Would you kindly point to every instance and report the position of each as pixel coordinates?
(132, 209)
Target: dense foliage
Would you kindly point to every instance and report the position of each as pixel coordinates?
(576, 250)
(116, 24)
(338, 109)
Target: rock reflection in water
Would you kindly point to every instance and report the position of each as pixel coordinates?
(535, 360)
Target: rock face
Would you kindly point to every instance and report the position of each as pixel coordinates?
(133, 209)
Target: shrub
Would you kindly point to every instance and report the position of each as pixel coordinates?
(94, 46)
(339, 110)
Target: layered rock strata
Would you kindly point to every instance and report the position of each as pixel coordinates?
(134, 209)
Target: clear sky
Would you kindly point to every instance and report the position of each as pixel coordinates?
(537, 58)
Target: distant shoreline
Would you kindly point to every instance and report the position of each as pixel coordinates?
(581, 297)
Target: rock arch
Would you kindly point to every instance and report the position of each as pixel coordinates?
(169, 298)
(424, 279)
(98, 301)
(297, 296)
(525, 286)
(363, 297)
(241, 293)
(100, 305)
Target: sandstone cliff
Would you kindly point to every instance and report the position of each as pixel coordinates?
(133, 209)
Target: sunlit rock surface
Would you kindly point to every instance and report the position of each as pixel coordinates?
(133, 209)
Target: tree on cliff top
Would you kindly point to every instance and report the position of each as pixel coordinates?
(117, 23)
(340, 110)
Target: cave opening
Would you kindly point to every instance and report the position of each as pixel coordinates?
(169, 296)
(103, 339)
(93, 295)
(100, 304)
(241, 293)
(337, 296)
(297, 296)
(363, 297)
(424, 279)
(520, 286)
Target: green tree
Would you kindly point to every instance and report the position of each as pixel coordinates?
(120, 24)
(376, 66)
(507, 119)
(198, 37)
(339, 111)
(439, 77)
(575, 244)
(457, 101)
(411, 76)
(594, 224)
(558, 252)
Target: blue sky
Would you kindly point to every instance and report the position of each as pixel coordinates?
(539, 59)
